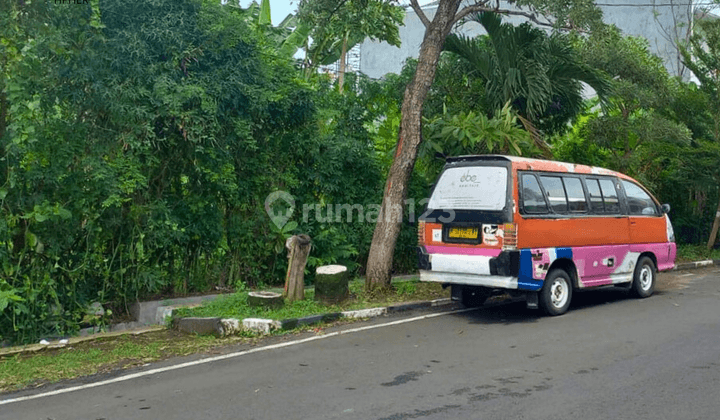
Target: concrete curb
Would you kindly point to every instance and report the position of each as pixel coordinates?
(696, 264)
(230, 326)
(56, 344)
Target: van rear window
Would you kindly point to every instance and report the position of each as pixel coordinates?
(471, 188)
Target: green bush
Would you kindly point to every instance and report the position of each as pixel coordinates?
(138, 146)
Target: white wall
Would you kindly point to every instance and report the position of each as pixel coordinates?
(660, 25)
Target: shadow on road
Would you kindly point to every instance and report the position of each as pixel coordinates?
(598, 297)
(515, 311)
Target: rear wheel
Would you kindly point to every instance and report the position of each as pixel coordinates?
(643, 284)
(472, 297)
(556, 293)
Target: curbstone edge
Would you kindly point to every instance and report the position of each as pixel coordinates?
(696, 264)
(201, 326)
(229, 326)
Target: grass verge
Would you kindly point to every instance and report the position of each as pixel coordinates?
(689, 253)
(235, 305)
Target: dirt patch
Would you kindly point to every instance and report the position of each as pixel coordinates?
(682, 279)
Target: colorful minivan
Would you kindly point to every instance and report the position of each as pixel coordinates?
(541, 229)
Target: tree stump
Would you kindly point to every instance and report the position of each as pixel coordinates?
(331, 284)
(298, 250)
(265, 299)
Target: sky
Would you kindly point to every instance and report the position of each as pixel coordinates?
(279, 9)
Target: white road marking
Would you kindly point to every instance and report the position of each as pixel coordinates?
(687, 275)
(227, 356)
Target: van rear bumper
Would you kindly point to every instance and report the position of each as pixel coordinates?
(500, 282)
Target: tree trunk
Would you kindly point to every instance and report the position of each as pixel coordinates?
(298, 250)
(387, 229)
(714, 231)
(343, 64)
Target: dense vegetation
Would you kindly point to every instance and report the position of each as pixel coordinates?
(139, 142)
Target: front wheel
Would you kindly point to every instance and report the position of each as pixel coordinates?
(556, 293)
(643, 284)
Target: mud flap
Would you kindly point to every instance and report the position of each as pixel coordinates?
(532, 300)
(456, 292)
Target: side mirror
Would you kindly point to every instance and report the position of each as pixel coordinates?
(666, 208)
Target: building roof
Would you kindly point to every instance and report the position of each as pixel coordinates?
(704, 14)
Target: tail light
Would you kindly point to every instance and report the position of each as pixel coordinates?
(421, 233)
(510, 237)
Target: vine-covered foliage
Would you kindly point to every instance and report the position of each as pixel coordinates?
(138, 144)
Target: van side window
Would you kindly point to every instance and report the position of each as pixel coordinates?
(555, 192)
(575, 194)
(639, 202)
(610, 197)
(533, 200)
(596, 199)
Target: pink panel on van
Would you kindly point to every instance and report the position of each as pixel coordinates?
(595, 264)
(664, 252)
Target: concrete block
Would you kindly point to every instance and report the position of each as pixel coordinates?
(408, 306)
(230, 326)
(365, 313)
(441, 302)
(201, 326)
(162, 313)
(308, 320)
(155, 312)
(696, 264)
(144, 312)
(125, 326)
(260, 325)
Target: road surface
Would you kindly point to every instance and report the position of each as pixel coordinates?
(609, 357)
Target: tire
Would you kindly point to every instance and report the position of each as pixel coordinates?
(556, 293)
(643, 284)
(472, 297)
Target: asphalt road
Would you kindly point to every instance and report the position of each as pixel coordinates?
(610, 357)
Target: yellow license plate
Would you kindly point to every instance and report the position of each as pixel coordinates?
(464, 233)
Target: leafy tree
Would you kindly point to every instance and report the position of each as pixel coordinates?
(139, 144)
(702, 57)
(472, 133)
(632, 117)
(338, 25)
(539, 74)
(575, 13)
(637, 129)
